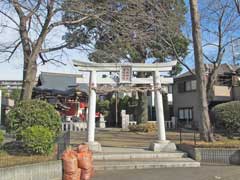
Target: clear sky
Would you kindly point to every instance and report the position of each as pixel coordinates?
(13, 70)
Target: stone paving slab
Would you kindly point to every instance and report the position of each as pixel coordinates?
(203, 173)
(149, 160)
(132, 156)
(139, 158)
(118, 165)
(115, 153)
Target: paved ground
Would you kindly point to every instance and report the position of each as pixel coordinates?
(217, 172)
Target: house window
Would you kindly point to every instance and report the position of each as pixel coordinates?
(170, 89)
(185, 114)
(181, 87)
(190, 85)
(194, 84)
(187, 86)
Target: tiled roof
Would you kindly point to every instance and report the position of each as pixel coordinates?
(224, 68)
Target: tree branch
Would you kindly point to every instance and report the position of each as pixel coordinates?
(17, 7)
(237, 4)
(178, 59)
(44, 30)
(45, 60)
(33, 11)
(60, 23)
(210, 60)
(54, 48)
(11, 52)
(9, 17)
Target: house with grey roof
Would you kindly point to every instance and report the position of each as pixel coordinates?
(185, 97)
(60, 81)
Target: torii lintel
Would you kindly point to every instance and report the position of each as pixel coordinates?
(116, 67)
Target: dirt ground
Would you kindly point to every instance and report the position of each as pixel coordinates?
(115, 137)
(119, 138)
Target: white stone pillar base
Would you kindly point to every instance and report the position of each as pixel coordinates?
(94, 146)
(162, 146)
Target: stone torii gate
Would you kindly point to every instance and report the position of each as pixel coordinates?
(126, 70)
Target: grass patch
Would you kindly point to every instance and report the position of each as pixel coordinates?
(13, 155)
(228, 143)
(7, 160)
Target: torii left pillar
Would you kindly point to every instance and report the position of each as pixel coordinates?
(93, 145)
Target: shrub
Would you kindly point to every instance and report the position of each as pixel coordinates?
(1, 138)
(227, 115)
(103, 107)
(15, 95)
(38, 140)
(33, 112)
(144, 127)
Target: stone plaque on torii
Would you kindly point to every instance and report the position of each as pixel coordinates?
(126, 70)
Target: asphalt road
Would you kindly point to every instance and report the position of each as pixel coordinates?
(216, 172)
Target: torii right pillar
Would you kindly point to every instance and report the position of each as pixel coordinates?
(161, 144)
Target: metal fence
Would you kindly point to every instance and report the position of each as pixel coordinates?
(220, 156)
(9, 158)
(208, 155)
(192, 135)
(50, 170)
(62, 146)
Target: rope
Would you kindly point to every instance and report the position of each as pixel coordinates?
(125, 89)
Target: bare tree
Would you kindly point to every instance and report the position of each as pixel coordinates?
(34, 21)
(204, 125)
(220, 24)
(237, 4)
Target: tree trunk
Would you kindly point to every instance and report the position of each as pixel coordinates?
(212, 77)
(142, 108)
(205, 128)
(29, 76)
(165, 106)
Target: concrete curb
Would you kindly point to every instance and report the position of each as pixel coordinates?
(144, 165)
(118, 156)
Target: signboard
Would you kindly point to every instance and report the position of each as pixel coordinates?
(126, 74)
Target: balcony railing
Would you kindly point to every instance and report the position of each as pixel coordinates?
(222, 93)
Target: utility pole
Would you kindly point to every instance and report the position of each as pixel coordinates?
(235, 50)
(116, 107)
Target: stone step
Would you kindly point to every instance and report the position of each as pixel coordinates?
(137, 155)
(145, 164)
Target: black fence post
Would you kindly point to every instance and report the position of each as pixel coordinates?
(194, 136)
(180, 135)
